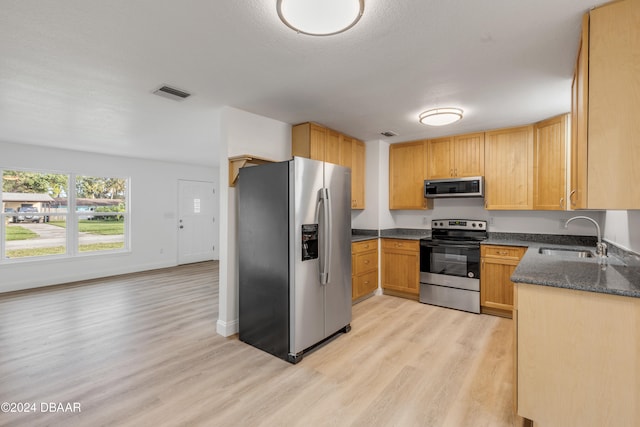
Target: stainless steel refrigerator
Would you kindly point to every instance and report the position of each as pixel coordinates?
(294, 241)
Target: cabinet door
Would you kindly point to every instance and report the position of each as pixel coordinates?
(468, 153)
(407, 172)
(401, 266)
(346, 152)
(550, 146)
(509, 169)
(496, 291)
(332, 147)
(579, 108)
(439, 159)
(317, 142)
(365, 284)
(358, 174)
(614, 106)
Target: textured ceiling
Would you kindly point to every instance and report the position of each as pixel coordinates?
(79, 74)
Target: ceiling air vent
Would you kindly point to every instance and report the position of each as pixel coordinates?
(171, 93)
(388, 133)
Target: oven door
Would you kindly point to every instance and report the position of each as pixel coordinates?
(450, 258)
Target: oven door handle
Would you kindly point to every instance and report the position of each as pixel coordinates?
(450, 245)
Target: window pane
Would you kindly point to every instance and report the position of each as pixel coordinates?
(100, 194)
(33, 192)
(35, 237)
(101, 213)
(31, 201)
(103, 232)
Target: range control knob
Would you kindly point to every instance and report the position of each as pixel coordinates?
(473, 225)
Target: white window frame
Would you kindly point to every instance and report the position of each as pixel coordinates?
(71, 216)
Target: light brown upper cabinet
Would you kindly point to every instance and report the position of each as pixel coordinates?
(607, 80)
(579, 106)
(508, 169)
(407, 172)
(317, 142)
(332, 147)
(549, 169)
(358, 174)
(352, 155)
(309, 140)
(455, 156)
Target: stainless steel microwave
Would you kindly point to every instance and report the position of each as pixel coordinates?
(454, 187)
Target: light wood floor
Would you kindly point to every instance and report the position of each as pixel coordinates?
(141, 349)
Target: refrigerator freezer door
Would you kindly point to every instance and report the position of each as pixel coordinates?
(337, 180)
(263, 244)
(306, 292)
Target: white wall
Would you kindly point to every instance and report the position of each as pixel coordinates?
(623, 229)
(154, 205)
(241, 133)
(369, 217)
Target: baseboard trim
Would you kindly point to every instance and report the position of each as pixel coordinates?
(226, 329)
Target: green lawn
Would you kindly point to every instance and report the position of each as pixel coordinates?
(26, 252)
(15, 232)
(57, 250)
(101, 227)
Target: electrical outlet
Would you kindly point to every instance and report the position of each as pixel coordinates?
(425, 220)
(491, 221)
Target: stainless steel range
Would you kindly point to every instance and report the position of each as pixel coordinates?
(450, 264)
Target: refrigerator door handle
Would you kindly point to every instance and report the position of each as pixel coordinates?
(328, 234)
(324, 267)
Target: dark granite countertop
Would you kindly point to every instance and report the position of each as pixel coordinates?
(358, 235)
(617, 274)
(405, 233)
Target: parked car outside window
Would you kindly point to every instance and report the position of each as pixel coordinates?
(13, 218)
(26, 214)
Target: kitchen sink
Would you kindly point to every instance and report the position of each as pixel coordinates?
(578, 253)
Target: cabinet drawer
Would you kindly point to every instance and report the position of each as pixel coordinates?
(366, 283)
(409, 245)
(364, 246)
(365, 262)
(508, 252)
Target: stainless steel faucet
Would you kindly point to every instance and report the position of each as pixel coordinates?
(601, 247)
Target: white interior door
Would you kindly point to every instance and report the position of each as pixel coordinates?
(196, 221)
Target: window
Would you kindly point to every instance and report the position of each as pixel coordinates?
(53, 215)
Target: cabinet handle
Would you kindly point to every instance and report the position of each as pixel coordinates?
(455, 172)
(561, 202)
(451, 172)
(366, 282)
(366, 261)
(571, 197)
(366, 246)
(486, 205)
(502, 252)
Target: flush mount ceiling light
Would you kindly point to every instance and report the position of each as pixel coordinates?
(320, 17)
(440, 116)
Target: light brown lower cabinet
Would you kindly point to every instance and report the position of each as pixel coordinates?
(496, 288)
(577, 357)
(401, 267)
(364, 262)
